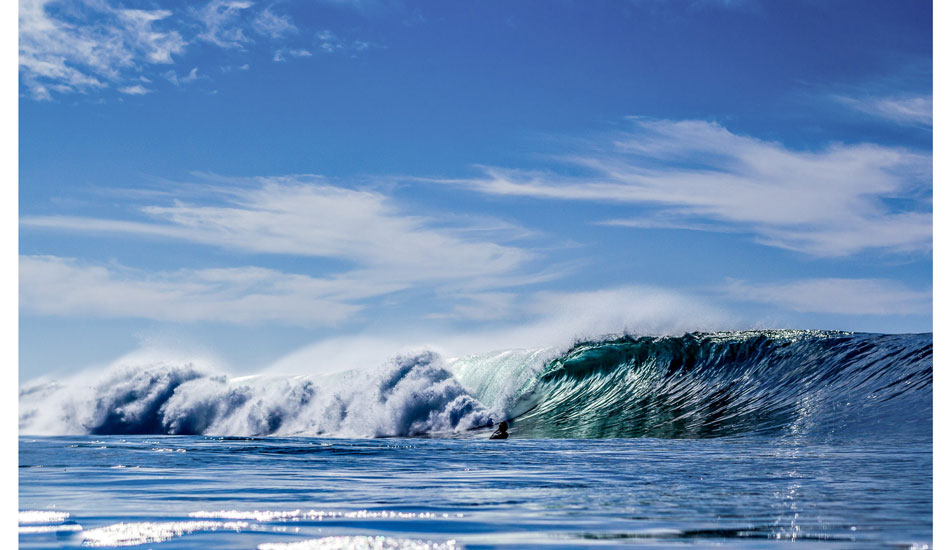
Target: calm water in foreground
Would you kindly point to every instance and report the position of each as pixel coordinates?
(296, 493)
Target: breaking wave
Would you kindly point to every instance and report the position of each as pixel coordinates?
(726, 384)
(409, 396)
(692, 386)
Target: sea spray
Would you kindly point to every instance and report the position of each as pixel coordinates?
(408, 396)
(699, 385)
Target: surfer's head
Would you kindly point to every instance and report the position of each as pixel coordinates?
(503, 427)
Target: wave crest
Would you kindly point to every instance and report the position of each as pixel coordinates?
(697, 385)
(724, 384)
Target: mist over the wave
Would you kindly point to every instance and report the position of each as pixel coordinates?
(551, 320)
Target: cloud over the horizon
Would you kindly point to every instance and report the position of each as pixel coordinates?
(307, 216)
(379, 248)
(68, 287)
(836, 295)
(831, 202)
(57, 286)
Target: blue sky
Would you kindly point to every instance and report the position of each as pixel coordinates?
(263, 182)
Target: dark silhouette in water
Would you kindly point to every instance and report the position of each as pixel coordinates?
(501, 432)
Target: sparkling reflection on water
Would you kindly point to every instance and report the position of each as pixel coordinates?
(206, 492)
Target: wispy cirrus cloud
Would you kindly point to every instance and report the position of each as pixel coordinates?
(85, 46)
(836, 295)
(281, 55)
(836, 201)
(326, 42)
(58, 286)
(308, 217)
(173, 77)
(222, 22)
(330, 42)
(906, 109)
(138, 89)
(268, 23)
(250, 295)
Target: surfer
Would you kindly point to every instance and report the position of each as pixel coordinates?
(501, 432)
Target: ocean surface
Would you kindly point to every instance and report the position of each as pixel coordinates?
(747, 439)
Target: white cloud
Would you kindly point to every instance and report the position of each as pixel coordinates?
(280, 55)
(138, 89)
(221, 21)
(329, 42)
(385, 249)
(173, 77)
(305, 216)
(911, 110)
(480, 306)
(269, 24)
(58, 286)
(80, 46)
(158, 47)
(245, 295)
(58, 55)
(836, 295)
(832, 202)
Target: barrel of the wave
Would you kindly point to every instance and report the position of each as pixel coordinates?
(815, 384)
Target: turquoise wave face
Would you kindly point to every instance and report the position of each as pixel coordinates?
(739, 383)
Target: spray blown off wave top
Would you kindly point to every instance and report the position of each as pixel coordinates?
(694, 386)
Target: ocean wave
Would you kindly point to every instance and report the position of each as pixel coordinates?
(411, 395)
(138, 533)
(725, 384)
(361, 543)
(692, 386)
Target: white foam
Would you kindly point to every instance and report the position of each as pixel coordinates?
(41, 516)
(318, 515)
(366, 514)
(409, 395)
(361, 543)
(256, 515)
(131, 534)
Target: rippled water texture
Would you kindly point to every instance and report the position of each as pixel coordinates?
(270, 493)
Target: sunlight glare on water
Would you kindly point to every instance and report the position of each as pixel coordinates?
(396, 493)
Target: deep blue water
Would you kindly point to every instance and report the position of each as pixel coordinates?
(753, 492)
(749, 440)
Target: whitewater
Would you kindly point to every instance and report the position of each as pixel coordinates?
(745, 439)
(697, 385)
